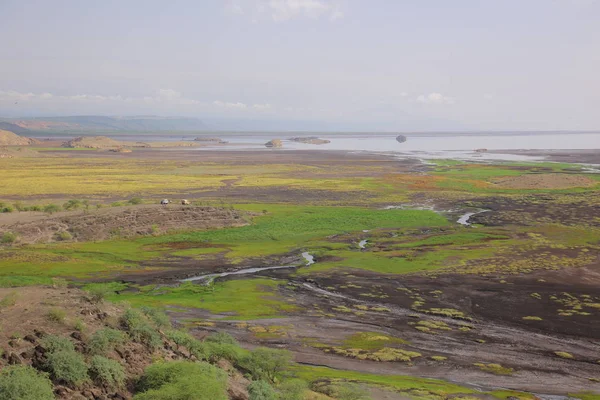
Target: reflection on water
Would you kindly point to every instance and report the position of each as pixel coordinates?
(457, 146)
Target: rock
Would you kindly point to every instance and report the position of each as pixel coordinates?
(39, 333)
(30, 338)
(77, 335)
(481, 150)
(274, 143)
(310, 140)
(210, 139)
(14, 359)
(400, 138)
(28, 354)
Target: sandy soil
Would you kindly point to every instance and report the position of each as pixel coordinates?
(545, 181)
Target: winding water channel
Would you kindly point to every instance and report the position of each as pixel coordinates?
(208, 278)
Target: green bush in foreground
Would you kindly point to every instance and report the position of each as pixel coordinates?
(261, 390)
(107, 372)
(140, 329)
(53, 344)
(24, 383)
(105, 340)
(182, 380)
(266, 364)
(68, 367)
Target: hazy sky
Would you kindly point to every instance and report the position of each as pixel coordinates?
(375, 64)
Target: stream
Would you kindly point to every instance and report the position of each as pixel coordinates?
(208, 278)
(464, 219)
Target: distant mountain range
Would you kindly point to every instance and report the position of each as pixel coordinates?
(94, 123)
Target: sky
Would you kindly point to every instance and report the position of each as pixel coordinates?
(330, 64)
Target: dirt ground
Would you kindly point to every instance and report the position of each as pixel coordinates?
(545, 181)
(122, 222)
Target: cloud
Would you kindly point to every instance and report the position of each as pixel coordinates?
(435, 98)
(163, 99)
(262, 107)
(284, 10)
(223, 104)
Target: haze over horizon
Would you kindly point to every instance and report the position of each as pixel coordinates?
(308, 64)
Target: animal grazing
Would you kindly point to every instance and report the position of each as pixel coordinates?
(164, 202)
(185, 202)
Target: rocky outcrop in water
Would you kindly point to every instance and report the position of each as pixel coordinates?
(310, 140)
(210, 140)
(400, 138)
(274, 143)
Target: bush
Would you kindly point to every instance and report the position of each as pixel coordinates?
(7, 209)
(266, 364)
(294, 389)
(51, 208)
(139, 329)
(68, 367)
(20, 382)
(72, 204)
(344, 391)
(261, 390)
(182, 380)
(221, 338)
(9, 237)
(54, 344)
(34, 208)
(56, 315)
(105, 340)
(159, 318)
(64, 235)
(107, 372)
(135, 200)
(99, 292)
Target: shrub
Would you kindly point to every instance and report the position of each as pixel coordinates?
(20, 382)
(56, 315)
(99, 292)
(79, 325)
(53, 344)
(222, 338)
(261, 390)
(51, 208)
(345, 391)
(266, 364)
(159, 318)
(135, 200)
(182, 380)
(105, 340)
(68, 367)
(107, 372)
(139, 329)
(64, 235)
(34, 208)
(8, 237)
(72, 204)
(294, 389)
(116, 204)
(7, 209)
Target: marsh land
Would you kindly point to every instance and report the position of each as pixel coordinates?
(407, 276)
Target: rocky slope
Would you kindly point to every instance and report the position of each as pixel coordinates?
(8, 138)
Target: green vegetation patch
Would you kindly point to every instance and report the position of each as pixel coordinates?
(238, 299)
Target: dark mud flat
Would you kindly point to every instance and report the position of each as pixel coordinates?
(568, 209)
(494, 312)
(567, 156)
